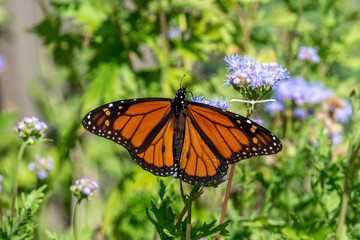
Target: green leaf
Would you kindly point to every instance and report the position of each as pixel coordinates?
(22, 226)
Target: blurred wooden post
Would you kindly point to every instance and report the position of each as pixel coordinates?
(21, 50)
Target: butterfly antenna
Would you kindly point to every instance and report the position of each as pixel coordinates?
(182, 79)
(199, 80)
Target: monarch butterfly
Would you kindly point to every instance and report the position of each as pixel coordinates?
(167, 136)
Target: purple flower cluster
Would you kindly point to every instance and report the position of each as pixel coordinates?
(220, 103)
(246, 71)
(300, 92)
(31, 129)
(84, 188)
(308, 53)
(1, 179)
(41, 166)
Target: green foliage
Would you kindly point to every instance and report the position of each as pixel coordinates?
(24, 223)
(168, 227)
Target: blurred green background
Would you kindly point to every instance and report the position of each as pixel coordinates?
(65, 58)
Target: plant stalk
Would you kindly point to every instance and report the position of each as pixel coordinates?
(15, 191)
(188, 226)
(76, 216)
(226, 199)
(347, 189)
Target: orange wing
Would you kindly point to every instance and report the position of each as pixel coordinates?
(230, 136)
(198, 163)
(143, 126)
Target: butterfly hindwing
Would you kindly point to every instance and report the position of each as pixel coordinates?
(142, 126)
(198, 164)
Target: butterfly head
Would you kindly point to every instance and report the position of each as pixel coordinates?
(180, 96)
(180, 100)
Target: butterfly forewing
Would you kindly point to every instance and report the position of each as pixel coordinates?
(231, 136)
(142, 126)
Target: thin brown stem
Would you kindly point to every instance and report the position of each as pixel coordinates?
(16, 176)
(226, 199)
(347, 190)
(164, 29)
(246, 23)
(178, 224)
(292, 34)
(188, 225)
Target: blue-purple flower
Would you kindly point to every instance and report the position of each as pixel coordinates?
(274, 107)
(299, 113)
(220, 103)
(84, 188)
(343, 114)
(31, 130)
(308, 53)
(247, 72)
(224, 178)
(336, 139)
(174, 33)
(258, 121)
(41, 166)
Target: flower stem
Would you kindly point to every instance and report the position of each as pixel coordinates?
(188, 226)
(75, 222)
(349, 178)
(15, 191)
(226, 199)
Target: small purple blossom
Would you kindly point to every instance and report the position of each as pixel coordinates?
(84, 188)
(31, 166)
(174, 33)
(21, 126)
(93, 185)
(274, 107)
(87, 190)
(41, 166)
(343, 114)
(42, 174)
(220, 103)
(31, 130)
(336, 139)
(37, 127)
(244, 70)
(224, 178)
(258, 121)
(3, 63)
(308, 53)
(299, 113)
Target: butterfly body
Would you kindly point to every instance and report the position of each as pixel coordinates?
(168, 136)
